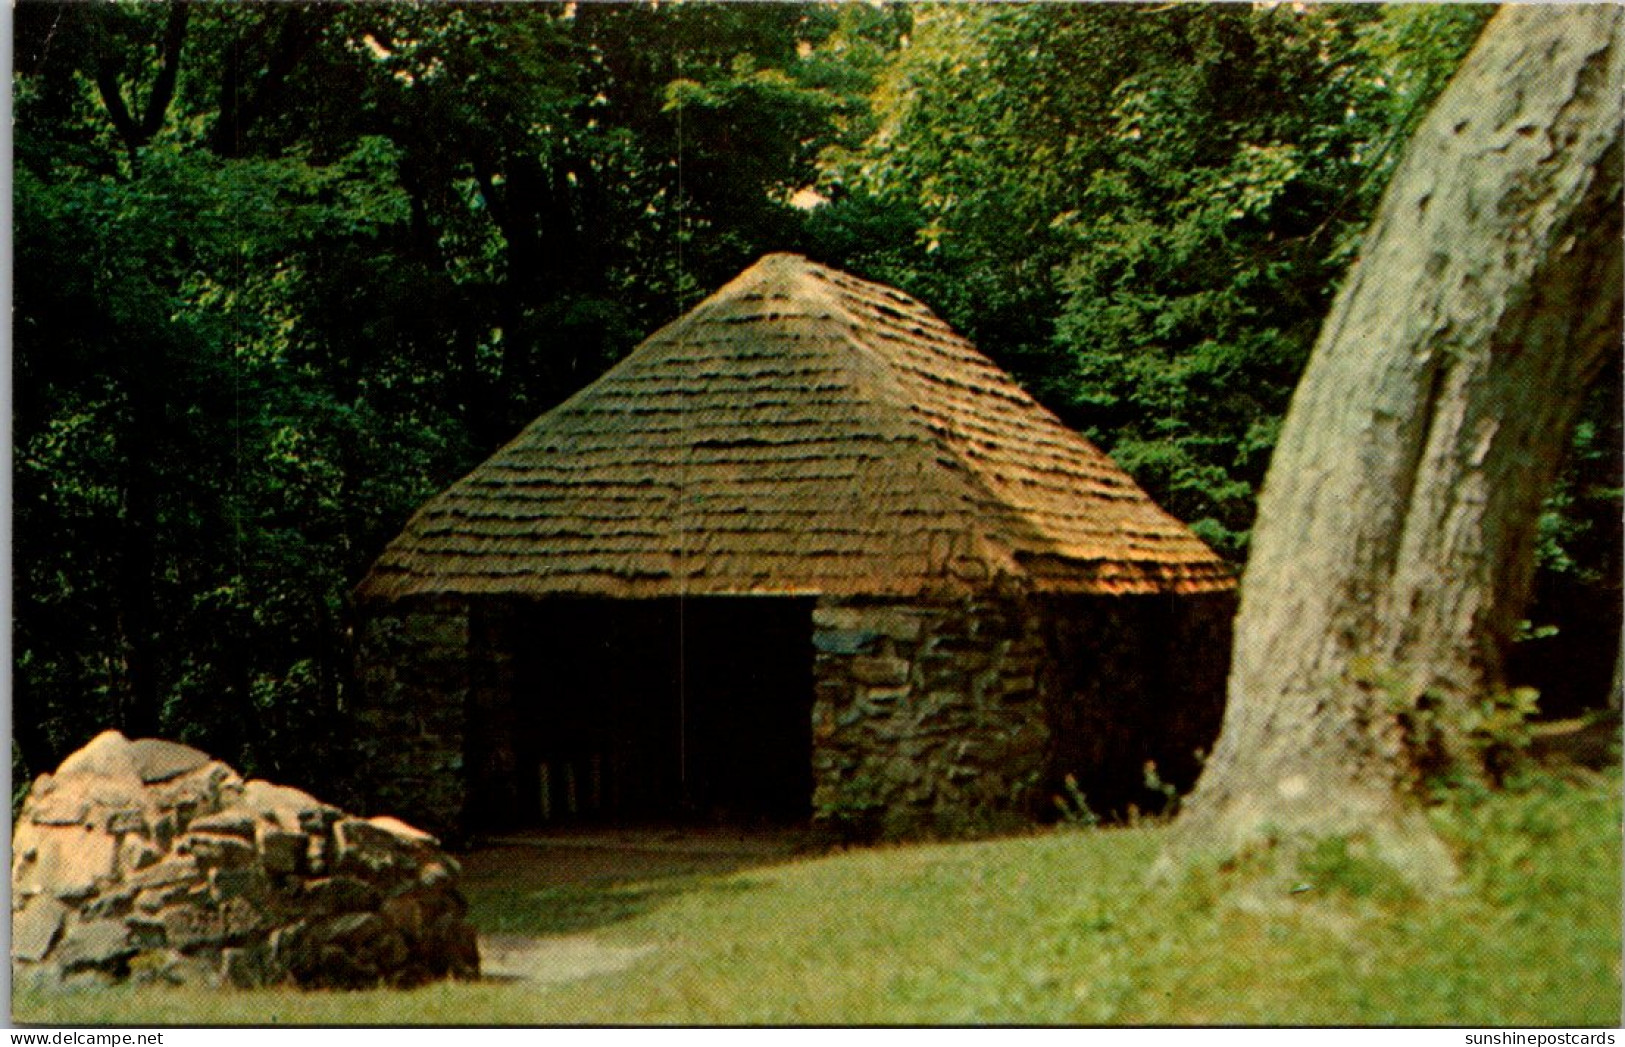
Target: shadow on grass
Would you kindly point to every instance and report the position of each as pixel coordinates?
(556, 886)
(572, 909)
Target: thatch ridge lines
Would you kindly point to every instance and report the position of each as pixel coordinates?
(799, 431)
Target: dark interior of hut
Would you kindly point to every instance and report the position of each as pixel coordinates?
(652, 711)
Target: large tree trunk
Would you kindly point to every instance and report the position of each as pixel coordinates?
(1395, 536)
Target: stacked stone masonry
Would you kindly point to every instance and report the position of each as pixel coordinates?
(148, 861)
(947, 717)
(927, 718)
(416, 691)
(966, 717)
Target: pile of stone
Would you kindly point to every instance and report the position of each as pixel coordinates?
(148, 861)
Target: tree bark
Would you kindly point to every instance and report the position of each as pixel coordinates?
(1395, 539)
(133, 133)
(298, 27)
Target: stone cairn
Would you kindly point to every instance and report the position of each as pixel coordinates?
(148, 861)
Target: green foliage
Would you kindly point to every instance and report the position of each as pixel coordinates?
(1073, 806)
(1346, 866)
(1455, 742)
(1167, 791)
(285, 270)
(1497, 729)
(182, 470)
(1103, 201)
(1576, 610)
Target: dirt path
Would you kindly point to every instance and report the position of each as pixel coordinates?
(602, 858)
(553, 961)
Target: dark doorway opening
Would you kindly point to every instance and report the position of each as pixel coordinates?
(656, 710)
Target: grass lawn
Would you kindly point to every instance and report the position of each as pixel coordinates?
(1055, 928)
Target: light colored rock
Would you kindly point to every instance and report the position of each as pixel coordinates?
(282, 804)
(136, 854)
(177, 868)
(34, 930)
(198, 793)
(154, 899)
(400, 830)
(316, 855)
(67, 861)
(233, 821)
(126, 820)
(880, 670)
(150, 862)
(116, 791)
(112, 901)
(107, 756)
(61, 809)
(93, 943)
(891, 622)
(216, 849)
(365, 849)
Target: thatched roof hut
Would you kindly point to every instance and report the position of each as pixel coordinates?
(867, 541)
(804, 432)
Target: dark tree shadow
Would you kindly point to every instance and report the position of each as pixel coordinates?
(566, 883)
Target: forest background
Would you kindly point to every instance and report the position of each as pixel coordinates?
(282, 271)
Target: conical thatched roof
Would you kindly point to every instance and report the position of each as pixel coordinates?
(799, 432)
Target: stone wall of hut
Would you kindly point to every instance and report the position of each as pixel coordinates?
(926, 717)
(966, 717)
(415, 677)
(947, 717)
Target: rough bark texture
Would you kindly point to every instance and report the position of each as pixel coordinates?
(1394, 546)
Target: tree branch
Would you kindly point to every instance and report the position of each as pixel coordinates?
(137, 134)
(113, 99)
(238, 113)
(163, 89)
